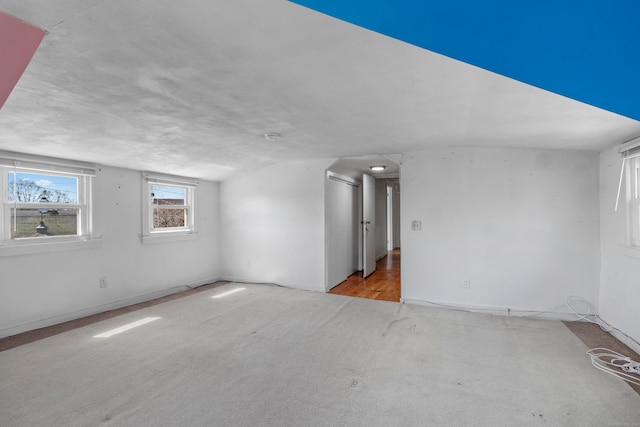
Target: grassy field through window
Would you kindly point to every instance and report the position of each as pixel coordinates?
(58, 222)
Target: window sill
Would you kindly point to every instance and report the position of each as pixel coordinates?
(167, 237)
(631, 251)
(47, 247)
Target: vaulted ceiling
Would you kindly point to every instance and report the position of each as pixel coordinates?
(192, 87)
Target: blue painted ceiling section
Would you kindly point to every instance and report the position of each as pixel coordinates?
(587, 50)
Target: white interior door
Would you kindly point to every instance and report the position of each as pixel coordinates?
(368, 224)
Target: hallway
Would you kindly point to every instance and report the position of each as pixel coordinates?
(383, 284)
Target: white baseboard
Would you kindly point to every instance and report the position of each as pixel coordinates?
(301, 286)
(113, 305)
(499, 311)
(627, 341)
(505, 311)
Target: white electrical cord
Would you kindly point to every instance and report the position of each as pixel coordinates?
(580, 307)
(592, 317)
(615, 364)
(624, 159)
(589, 316)
(604, 359)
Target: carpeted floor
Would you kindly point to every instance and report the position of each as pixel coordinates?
(272, 356)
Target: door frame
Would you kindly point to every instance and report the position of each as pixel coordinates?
(368, 225)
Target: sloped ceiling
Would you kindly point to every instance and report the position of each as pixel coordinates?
(585, 50)
(191, 87)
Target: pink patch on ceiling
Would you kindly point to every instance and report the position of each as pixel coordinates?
(18, 43)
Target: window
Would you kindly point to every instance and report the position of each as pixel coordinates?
(630, 175)
(633, 174)
(169, 208)
(45, 201)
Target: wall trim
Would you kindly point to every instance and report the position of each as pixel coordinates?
(515, 312)
(299, 286)
(343, 178)
(66, 317)
(551, 314)
(22, 249)
(625, 339)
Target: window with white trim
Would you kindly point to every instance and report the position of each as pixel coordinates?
(168, 208)
(44, 200)
(630, 176)
(633, 166)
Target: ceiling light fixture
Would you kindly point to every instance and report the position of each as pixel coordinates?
(377, 168)
(272, 136)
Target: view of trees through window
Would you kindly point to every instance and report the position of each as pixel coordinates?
(39, 205)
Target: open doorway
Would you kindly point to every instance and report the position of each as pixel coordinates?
(347, 227)
(393, 214)
(383, 284)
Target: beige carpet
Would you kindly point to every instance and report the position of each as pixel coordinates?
(279, 357)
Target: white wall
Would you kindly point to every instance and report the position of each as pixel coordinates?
(273, 226)
(620, 272)
(524, 226)
(521, 225)
(342, 222)
(42, 289)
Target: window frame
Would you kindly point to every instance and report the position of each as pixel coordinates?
(632, 172)
(150, 234)
(21, 163)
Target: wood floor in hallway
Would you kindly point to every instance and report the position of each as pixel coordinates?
(383, 284)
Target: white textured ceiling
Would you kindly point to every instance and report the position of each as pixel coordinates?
(191, 87)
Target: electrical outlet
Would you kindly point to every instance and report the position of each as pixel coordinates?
(103, 282)
(416, 225)
(466, 284)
